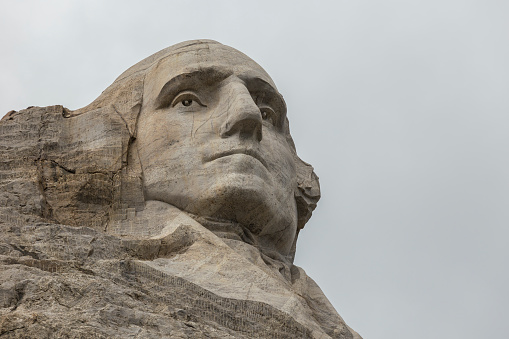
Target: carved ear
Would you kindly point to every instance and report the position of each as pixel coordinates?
(307, 192)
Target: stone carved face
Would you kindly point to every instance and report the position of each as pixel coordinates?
(201, 127)
(211, 141)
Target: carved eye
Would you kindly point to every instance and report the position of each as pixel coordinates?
(187, 99)
(268, 115)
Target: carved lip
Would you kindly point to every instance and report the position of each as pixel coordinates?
(245, 151)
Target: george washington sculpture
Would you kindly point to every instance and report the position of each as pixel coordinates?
(187, 163)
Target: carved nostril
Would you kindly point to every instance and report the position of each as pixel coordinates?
(245, 128)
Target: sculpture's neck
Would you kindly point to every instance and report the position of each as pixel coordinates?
(158, 218)
(227, 229)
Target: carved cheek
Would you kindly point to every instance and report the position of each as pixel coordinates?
(281, 162)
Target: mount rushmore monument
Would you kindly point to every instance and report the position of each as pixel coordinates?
(169, 207)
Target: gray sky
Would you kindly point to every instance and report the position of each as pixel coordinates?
(402, 107)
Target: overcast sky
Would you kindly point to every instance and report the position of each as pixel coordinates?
(401, 106)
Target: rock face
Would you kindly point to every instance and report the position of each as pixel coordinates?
(167, 208)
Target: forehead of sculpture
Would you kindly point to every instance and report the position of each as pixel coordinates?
(149, 61)
(215, 60)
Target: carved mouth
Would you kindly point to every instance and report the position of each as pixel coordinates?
(248, 152)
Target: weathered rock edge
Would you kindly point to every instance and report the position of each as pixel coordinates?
(62, 281)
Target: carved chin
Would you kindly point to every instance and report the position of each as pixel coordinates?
(254, 204)
(235, 197)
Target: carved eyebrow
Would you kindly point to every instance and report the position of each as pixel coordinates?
(214, 75)
(188, 79)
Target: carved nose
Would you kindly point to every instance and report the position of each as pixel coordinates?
(243, 116)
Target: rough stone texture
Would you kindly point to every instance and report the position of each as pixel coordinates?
(169, 207)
